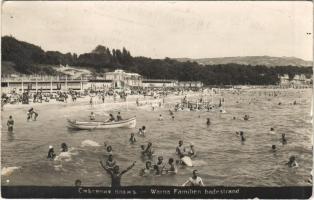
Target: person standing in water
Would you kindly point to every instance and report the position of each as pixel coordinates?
(110, 163)
(160, 118)
(109, 150)
(195, 180)
(180, 150)
(170, 168)
(119, 118)
(148, 170)
(51, 153)
(132, 139)
(64, 147)
(92, 116)
(159, 166)
(292, 162)
(283, 139)
(208, 122)
(116, 174)
(10, 124)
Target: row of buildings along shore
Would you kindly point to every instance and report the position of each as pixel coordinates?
(117, 79)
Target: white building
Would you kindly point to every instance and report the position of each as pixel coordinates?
(121, 79)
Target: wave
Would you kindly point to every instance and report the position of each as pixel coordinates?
(7, 171)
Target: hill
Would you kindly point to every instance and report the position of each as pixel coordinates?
(19, 57)
(251, 60)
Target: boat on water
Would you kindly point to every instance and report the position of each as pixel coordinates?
(90, 125)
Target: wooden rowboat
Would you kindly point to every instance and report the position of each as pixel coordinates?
(127, 123)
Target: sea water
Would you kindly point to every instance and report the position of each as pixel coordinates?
(222, 159)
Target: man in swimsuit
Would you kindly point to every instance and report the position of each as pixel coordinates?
(92, 116)
(64, 147)
(10, 124)
(170, 167)
(110, 163)
(159, 165)
(119, 118)
(132, 138)
(116, 174)
(111, 119)
(148, 170)
(180, 150)
(194, 180)
(51, 153)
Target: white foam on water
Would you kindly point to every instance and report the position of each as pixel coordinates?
(90, 143)
(66, 156)
(7, 171)
(198, 163)
(58, 167)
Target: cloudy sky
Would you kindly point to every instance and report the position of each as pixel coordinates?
(165, 29)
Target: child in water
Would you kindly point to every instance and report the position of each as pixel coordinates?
(292, 162)
(51, 153)
(132, 138)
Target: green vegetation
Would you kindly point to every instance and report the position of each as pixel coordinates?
(29, 59)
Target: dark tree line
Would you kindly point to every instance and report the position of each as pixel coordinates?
(29, 58)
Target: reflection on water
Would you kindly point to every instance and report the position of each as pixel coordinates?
(222, 159)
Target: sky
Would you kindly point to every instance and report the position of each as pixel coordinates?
(159, 29)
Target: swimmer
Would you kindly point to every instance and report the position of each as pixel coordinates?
(10, 124)
(159, 167)
(110, 163)
(160, 118)
(234, 118)
(172, 117)
(180, 150)
(192, 152)
(148, 170)
(272, 131)
(109, 150)
(119, 118)
(283, 139)
(132, 138)
(242, 136)
(116, 174)
(51, 153)
(78, 183)
(143, 130)
(292, 162)
(194, 180)
(64, 147)
(170, 167)
(273, 148)
(111, 118)
(208, 122)
(140, 132)
(246, 117)
(92, 116)
(148, 151)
